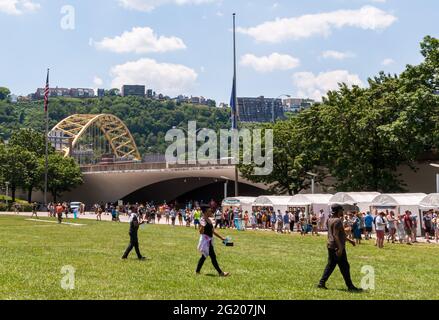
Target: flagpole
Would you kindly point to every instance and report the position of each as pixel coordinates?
(46, 167)
(235, 114)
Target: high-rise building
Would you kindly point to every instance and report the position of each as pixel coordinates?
(260, 109)
(101, 93)
(133, 90)
(150, 93)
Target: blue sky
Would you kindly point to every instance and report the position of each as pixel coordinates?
(301, 48)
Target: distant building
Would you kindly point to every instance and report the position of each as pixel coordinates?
(133, 90)
(260, 109)
(223, 105)
(101, 93)
(82, 93)
(64, 92)
(296, 104)
(150, 93)
(195, 100)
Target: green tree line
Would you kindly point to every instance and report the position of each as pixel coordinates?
(22, 165)
(360, 136)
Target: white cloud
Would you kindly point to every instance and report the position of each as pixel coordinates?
(337, 55)
(98, 81)
(140, 40)
(270, 63)
(367, 18)
(314, 86)
(150, 5)
(387, 62)
(171, 79)
(17, 7)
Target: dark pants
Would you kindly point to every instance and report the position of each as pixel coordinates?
(292, 226)
(134, 243)
(212, 257)
(59, 217)
(342, 263)
(218, 223)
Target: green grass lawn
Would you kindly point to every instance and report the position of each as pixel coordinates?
(263, 265)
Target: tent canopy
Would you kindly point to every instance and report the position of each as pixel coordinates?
(309, 199)
(238, 201)
(431, 201)
(399, 199)
(352, 198)
(271, 201)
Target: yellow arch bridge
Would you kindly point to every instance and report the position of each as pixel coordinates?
(71, 134)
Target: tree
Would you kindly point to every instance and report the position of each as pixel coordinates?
(34, 142)
(366, 134)
(112, 92)
(30, 139)
(64, 174)
(4, 93)
(17, 165)
(292, 160)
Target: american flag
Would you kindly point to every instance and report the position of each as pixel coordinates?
(46, 93)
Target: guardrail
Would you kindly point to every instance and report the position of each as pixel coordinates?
(145, 166)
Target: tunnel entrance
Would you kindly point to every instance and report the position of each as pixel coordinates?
(181, 191)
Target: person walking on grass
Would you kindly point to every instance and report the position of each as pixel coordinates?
(391, 225)
(135, 222)
(428, 226)
(34, 210)
(286, 219)
(414, 218)
(315, 229)
(368, 223)
(337, 251)
(218, 215)
(197, 218)
(280, 222)
(59, 211)
(303, 225)
(205, 245)
(400, 229)
(408, 225)
(273, 220)
(380, 229)
(356, 230)
(173, 215)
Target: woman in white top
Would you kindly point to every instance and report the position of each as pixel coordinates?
(380, 229)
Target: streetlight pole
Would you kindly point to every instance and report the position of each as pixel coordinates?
(437, 177)
(273, 108)
(313, 180)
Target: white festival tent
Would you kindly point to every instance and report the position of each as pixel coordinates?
(312, 203)
(400, 203)
(362, 200)
(430, 202)
(275, 202)
(244, 203)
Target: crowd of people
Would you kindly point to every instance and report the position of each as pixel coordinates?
(395, 228)
(385, 225)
